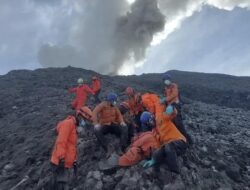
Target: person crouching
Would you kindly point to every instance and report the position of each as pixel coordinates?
(107, 118)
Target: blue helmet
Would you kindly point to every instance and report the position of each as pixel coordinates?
(166, 76)
(146, 117)
(112, 97)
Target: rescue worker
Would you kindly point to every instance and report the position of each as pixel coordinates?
(96, 87)
(81, 92)
(150, 101)
(172, 98)
(107, 118)
(134, 101)
(173, 143)
(141, 147)
(64, 155)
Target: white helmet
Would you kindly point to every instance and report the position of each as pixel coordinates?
(80, 81)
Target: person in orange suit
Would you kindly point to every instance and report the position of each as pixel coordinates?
(96, 87)
(136, 109)
(149, 101)
(64, 154)
(107, 118)
(142, 145)
(172, 98)
(81, 91)
(173, 143)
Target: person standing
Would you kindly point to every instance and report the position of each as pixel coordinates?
(81, 91)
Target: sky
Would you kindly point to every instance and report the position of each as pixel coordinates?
(126, 36)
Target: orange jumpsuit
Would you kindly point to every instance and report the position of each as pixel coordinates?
(81, 95)
(150, 101)
(106, 114)
(66, 142)
(140, 148)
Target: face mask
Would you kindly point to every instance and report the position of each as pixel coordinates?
(167, 82)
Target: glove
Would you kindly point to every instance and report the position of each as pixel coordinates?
(149, 163)
(61, 163)
(123, 124)
(169, 110)
(163, 100)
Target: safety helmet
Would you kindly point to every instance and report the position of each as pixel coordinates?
(85, 113)
(129, 91)
(112, 97)
(80, 81)
(146, 117)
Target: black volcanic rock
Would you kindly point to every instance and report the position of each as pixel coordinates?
(223, 90)
(215, 113)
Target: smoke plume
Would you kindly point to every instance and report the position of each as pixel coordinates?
(106, 35)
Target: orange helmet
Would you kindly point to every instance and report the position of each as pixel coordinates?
(129, 91)
(85, 113)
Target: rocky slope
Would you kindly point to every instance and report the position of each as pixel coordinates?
(220, 89)
(32, 102)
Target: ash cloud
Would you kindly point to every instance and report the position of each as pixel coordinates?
(98, 35)
(106, 35)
